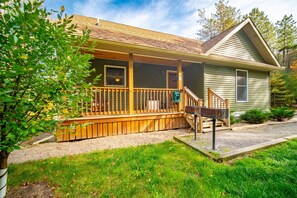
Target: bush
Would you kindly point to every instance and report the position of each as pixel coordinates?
(282, 113)
(255, 116)
(234, 120)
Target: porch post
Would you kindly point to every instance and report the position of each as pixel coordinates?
(131, 85)
(180, 84)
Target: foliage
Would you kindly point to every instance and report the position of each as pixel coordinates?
(40, 65)
(255, 116)
(291, 82)
(234, 120)
(280, 94)
(292, 55)
(263, 24)
(282, 113)
(286, 37)
(225, 17)
(169, 169)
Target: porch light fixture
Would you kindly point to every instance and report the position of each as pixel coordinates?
(117, 79)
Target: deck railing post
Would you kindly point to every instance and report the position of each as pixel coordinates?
(185, 97)
(180, 84)
(228, 107)
(200, 123)
(131, 85)
(209, 97)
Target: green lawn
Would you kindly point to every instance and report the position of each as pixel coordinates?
(169, 169)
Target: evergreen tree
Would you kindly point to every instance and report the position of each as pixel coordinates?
(225, 17)
(265, 27)
(280, 95)
(286, 38)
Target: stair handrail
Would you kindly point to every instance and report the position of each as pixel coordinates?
(188, 91)
(218, 102)
(190, 99)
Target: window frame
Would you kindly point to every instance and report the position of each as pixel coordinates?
(113, 66)
(167, 76)
(247, 85)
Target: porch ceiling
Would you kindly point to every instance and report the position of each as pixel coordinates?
(111, 55)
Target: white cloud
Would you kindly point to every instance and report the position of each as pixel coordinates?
(158, 15)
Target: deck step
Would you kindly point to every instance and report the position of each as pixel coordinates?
(207, 123)
(222, 128)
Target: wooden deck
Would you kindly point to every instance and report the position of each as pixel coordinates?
(102, 126)
(110, 112)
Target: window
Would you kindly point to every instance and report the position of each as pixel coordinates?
(114, 75)
(241, 85)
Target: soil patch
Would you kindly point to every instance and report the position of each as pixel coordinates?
(34, 190)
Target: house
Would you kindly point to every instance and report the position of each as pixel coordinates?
(142, 70)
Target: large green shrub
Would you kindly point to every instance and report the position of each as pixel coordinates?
(255, 116)
(282, 113)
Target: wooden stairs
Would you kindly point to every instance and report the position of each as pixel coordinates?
(207, 123)
(214, 101)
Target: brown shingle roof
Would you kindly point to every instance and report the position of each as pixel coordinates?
(138, 36)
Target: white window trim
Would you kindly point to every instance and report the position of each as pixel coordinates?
(167, 76)
(125, 77)
(247, 86)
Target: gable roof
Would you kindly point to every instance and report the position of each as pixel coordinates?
(133, 35)
(251, 31)
(120, 33)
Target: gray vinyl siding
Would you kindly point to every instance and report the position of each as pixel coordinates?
(239, 46)
(193, 78)
(223, 81)
(150, 76)
(145, 75)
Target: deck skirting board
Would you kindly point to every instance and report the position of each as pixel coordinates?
(94, 128)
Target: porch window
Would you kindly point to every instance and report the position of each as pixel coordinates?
(114, 75)
(241, 85)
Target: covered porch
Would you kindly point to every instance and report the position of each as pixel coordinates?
(135, 94)
(133, 84)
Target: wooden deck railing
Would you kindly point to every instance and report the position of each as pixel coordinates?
(106, 101)
(190, 99)
(218, 102)
(115, 101)
(154, 100)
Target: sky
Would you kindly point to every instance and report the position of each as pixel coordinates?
(177, 17)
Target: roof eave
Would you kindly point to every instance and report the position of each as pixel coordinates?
(178, 55)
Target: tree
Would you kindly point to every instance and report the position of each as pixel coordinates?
(225, 17)
(280, 94)
(40, 66)
(286, 37)
(291, 82)
(265, 27)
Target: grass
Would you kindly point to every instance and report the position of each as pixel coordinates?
(169, 169)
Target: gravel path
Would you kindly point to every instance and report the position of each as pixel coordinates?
(226, 141)
(54, 149)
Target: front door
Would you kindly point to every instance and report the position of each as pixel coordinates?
(171, 79)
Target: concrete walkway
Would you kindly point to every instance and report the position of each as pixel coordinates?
(227, 141)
